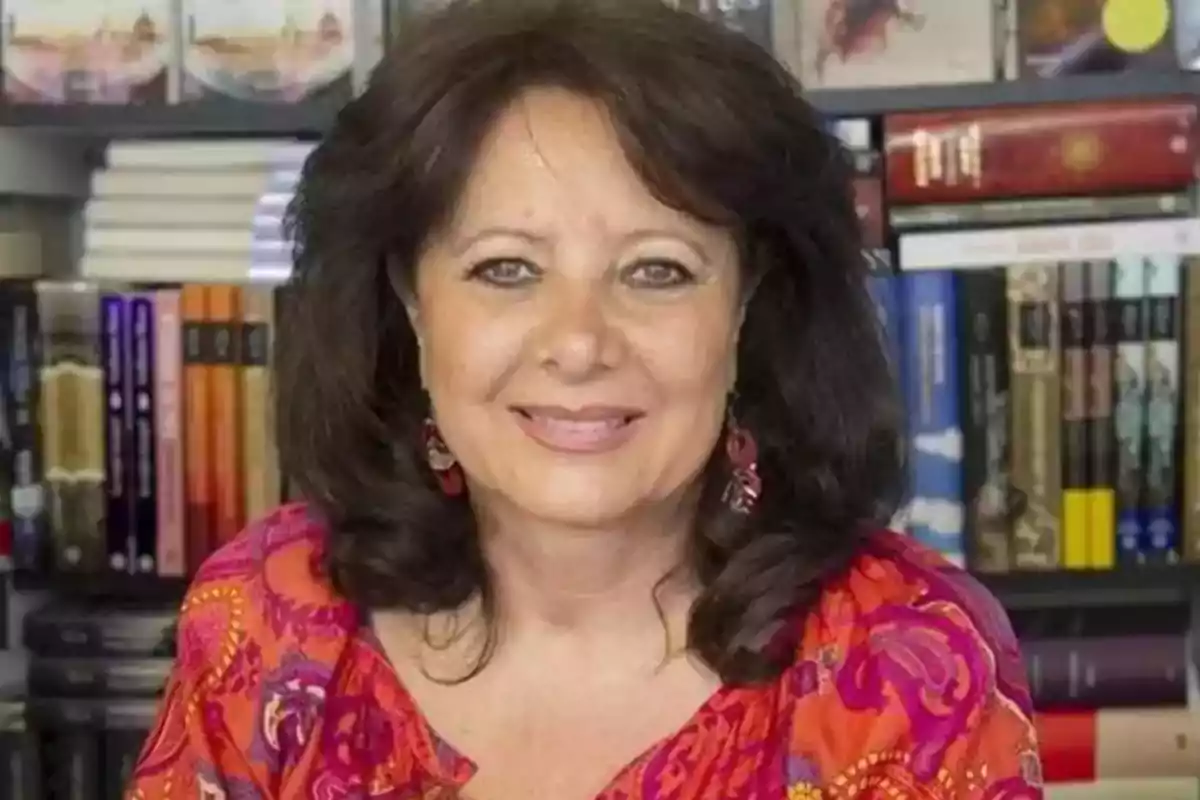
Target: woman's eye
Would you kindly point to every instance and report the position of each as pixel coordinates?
(505, 271)
(659, 274)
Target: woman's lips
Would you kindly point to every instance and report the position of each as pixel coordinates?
(591, 429)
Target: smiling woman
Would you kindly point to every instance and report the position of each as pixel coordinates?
(584, 388)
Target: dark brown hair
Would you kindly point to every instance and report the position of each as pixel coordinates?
(717, 128)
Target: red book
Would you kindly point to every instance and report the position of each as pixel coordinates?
(1085, 746)
(1077, 149)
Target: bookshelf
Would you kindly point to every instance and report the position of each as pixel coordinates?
(64, 129)
(59, 141)
(1068, 89)
(311, 119)
(1158, 585)
(210, 119)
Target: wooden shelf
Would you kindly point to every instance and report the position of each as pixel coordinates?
(102, 586)
(311, 119)
(206, 119)
(1142, 587)
(1134, 586)
(1073, 88)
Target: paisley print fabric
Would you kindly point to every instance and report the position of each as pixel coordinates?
(907, 684)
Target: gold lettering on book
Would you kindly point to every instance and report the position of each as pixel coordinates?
(927, 157)
(952, 156)
(1080, 151)
(970, 154)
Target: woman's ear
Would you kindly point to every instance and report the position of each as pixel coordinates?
(737, 338)
(408, 297)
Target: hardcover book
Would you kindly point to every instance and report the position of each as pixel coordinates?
(1070, 37)
(930, 369)
(1034, 352)
(858, 43)
(1072, 149)
(271, 50)
(1129, 404)
(101, 51)
(984, 409)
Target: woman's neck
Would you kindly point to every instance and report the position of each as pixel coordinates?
(571, 581)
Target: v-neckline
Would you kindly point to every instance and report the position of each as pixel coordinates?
(453, 769)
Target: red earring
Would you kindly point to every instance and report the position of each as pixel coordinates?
(442, 461)
(745, 485)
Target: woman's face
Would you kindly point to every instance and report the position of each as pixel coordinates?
(578, 338)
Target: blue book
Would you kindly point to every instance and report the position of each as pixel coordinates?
(885, 291)
(935, 513)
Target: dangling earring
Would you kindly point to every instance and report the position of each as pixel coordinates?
(442, 461)
(745, 485)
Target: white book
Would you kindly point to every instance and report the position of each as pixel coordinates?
(1047, 244)
(243, 241)
(172, 185)
(180, 268)
(207, 154)
(184, 212)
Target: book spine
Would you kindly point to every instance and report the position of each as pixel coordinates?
(224, 309)
(197, 411)
(885, 291)
(1035, 435)
(168, 451)
(1041, 244)
(1041, 211)
(1106, 671)
(30, 536)
(114, 313)
(120, 750)
(1129, 404)
(1102, 523)
(77, 769)
(1045, 150)
(1145, 741)
(73, 423)
(1121, 748)
(1191, 422)
(260, 464)
(7, 453)
(983, 410)
(935, 513)
(1160, 523)
(868, 204)
(1075, 522)
(145, 477)
(20, 767)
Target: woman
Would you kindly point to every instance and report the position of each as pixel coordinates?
(583, 386)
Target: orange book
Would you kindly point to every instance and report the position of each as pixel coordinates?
(225, 464)
(198, 491)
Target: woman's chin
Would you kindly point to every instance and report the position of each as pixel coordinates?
(587, 507)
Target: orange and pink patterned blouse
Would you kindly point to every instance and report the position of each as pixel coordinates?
(907, 684)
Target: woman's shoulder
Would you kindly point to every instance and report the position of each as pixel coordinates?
(898, 591)
(910, 661)
(264, 596)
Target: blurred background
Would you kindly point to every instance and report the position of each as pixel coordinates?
(1026, 176)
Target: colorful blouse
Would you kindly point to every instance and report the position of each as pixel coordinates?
(907, 684)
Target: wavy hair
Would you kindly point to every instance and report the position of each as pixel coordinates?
(717, 128)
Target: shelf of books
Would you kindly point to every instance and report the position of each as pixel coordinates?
(1026, 185)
